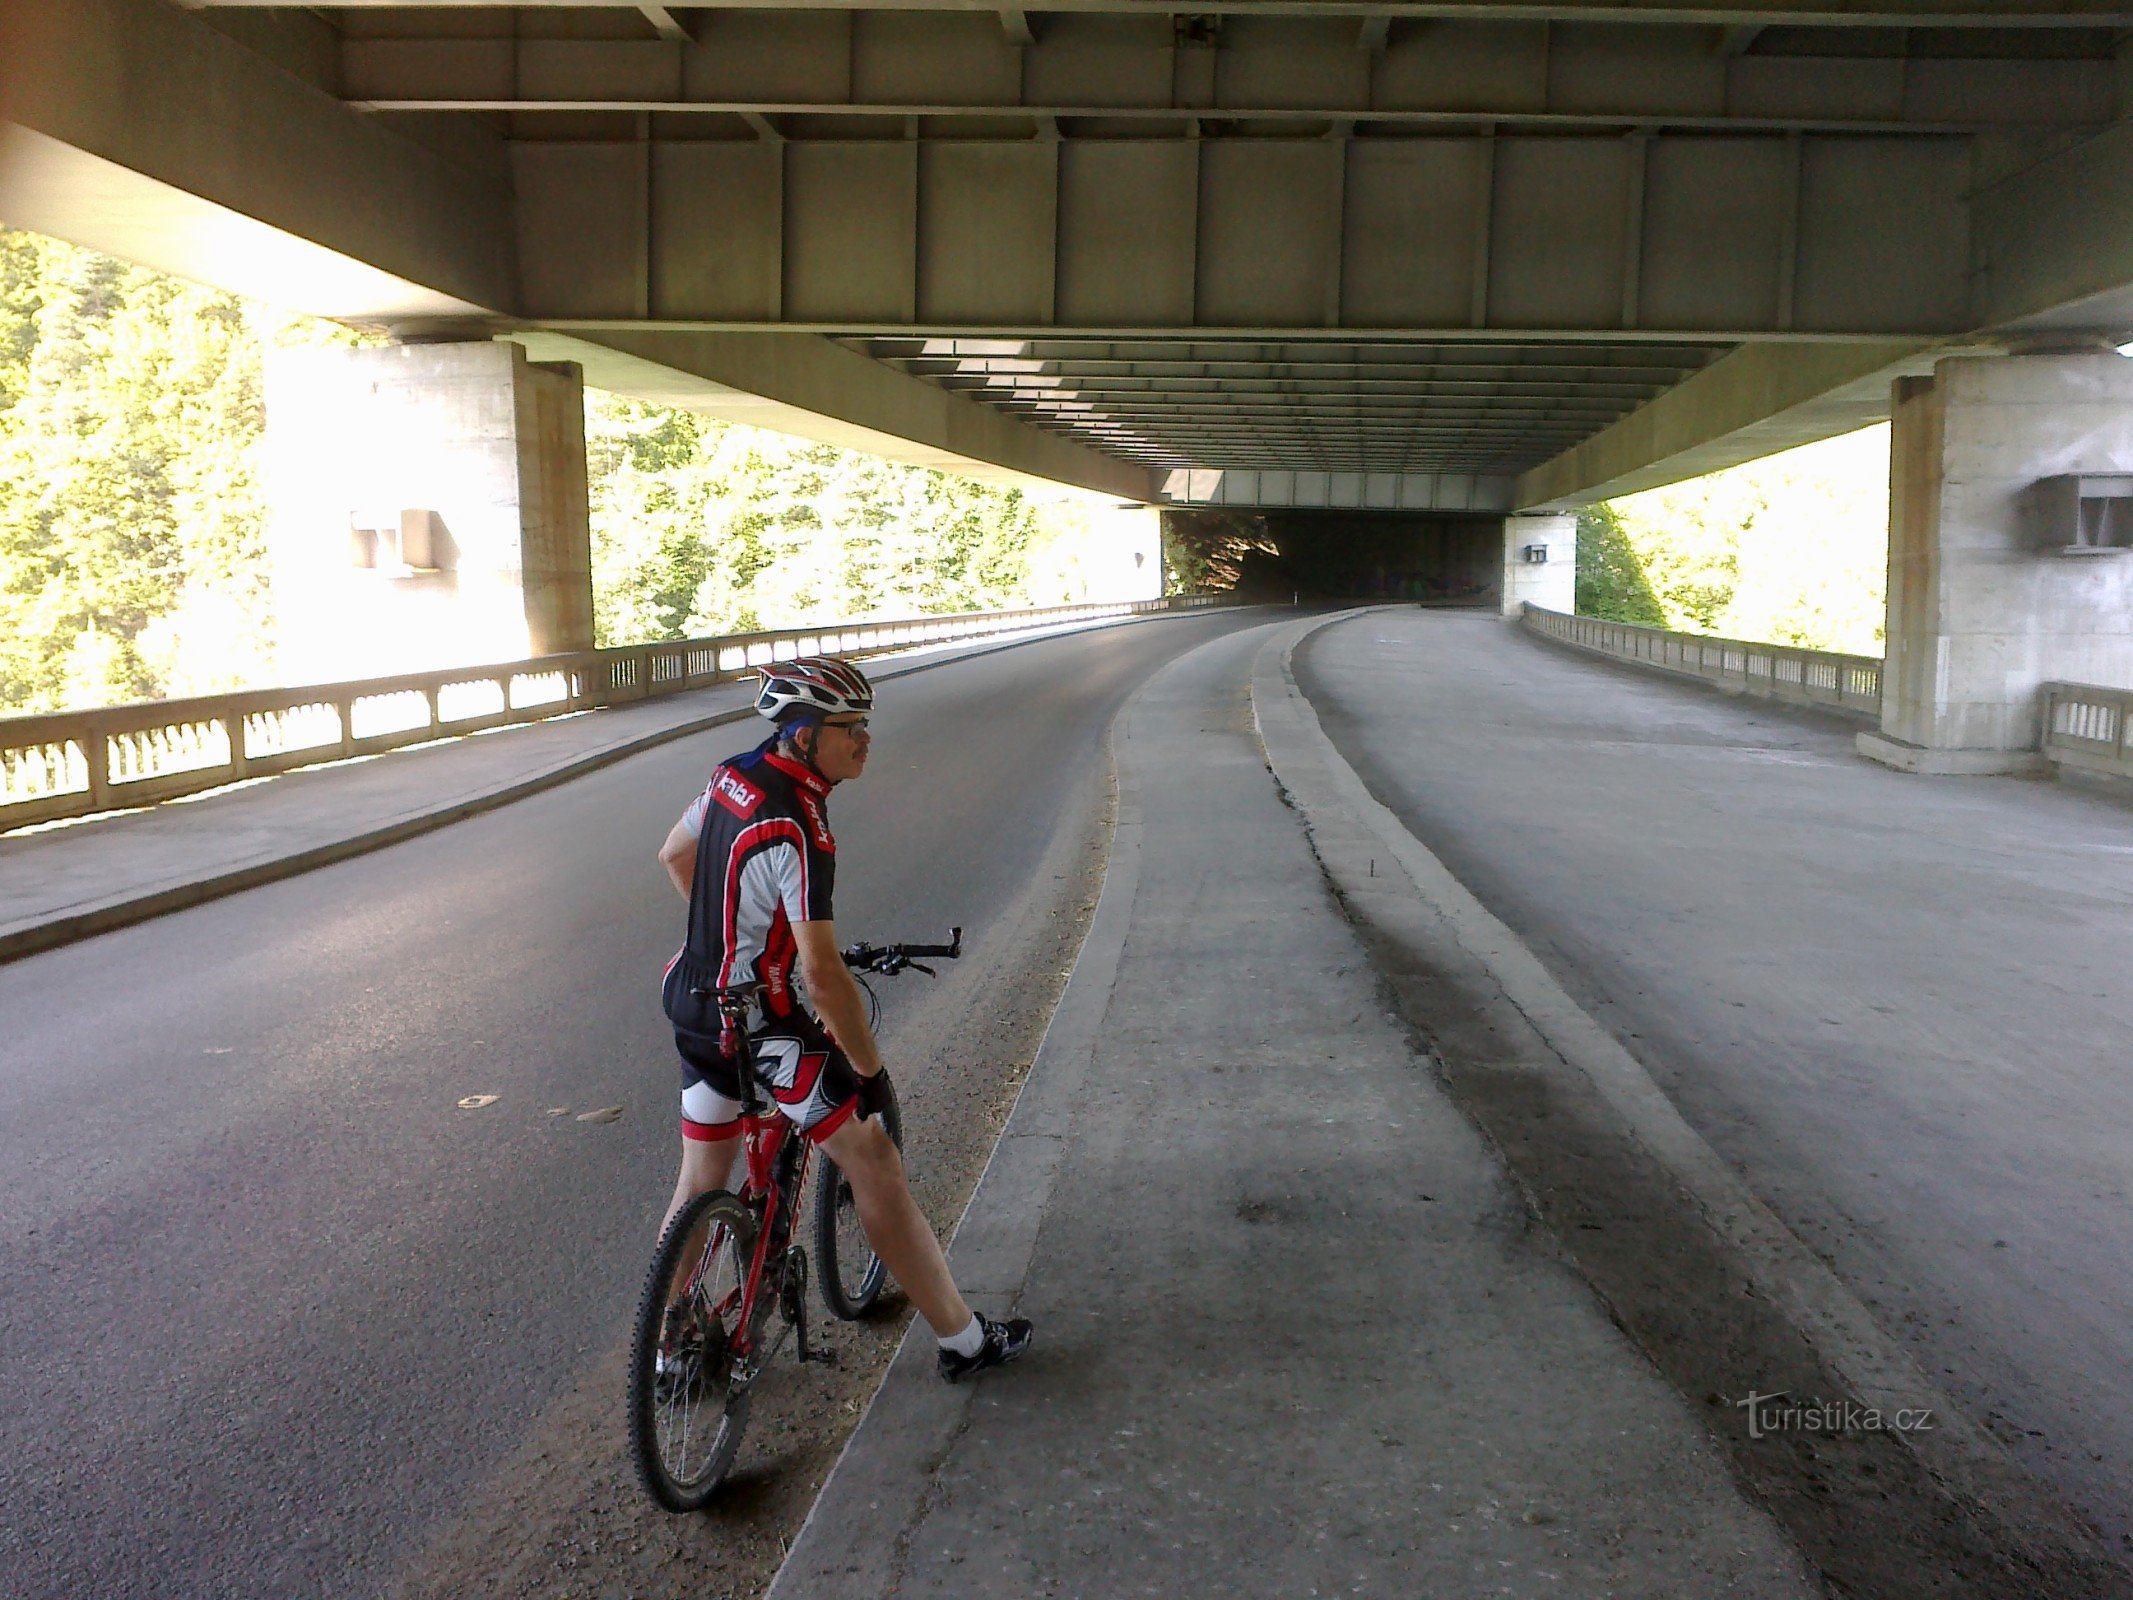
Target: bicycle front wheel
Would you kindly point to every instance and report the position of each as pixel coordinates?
(685, 1415)
(852, 1275)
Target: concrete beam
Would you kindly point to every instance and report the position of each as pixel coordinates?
(1831, 13)
(812, 387)
(1760, 399)
(1669, 238)
(2052, 243)
(135, 128)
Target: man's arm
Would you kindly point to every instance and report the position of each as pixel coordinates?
(678, 856)
(836, 996)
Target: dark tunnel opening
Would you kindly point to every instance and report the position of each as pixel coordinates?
(1432, 558)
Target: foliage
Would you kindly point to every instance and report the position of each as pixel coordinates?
(1611, 581)
(1209, 549)
(701, 526)
(1791, 549)
(132, 537)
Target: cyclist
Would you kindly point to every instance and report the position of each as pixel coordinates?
(754, 858)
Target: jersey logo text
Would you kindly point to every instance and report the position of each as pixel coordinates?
(735, 793)
(817, 824)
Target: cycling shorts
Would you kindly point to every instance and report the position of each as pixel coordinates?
(797, 1064)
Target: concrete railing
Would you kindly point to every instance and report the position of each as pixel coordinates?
(2084, 726)
(1772, 671)
(73, 763)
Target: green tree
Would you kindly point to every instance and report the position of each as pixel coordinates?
(1610, 580)
(1791, 548)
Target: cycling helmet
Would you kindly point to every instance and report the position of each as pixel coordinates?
(811, 688)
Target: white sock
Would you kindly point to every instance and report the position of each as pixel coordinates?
(969, 1342)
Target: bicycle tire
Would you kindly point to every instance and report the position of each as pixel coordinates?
(695, 1389)
(850, 1274)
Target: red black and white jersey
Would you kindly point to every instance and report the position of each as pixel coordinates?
(765, 860)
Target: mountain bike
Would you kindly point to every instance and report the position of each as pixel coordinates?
(727, 1261)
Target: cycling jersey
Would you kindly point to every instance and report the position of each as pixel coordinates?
(765, 860)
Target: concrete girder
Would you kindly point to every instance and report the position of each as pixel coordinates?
(131, 127)
(1828, 13)
(172, 143)
(1667, 237)
(964, 73)
(817, 389)
(1760, 399)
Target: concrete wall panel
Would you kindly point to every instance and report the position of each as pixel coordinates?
(987, 215)
(1615, 66)
(1714, 224)
(1128, 212)
(1884, 234)
(1463, 66)
(933, 58)
(1291, 61)
(1815, 87)
(718, 231)
(425, 69)
(850, 242)
(770, 56)
(1561, 220)
(581, 215)
(2036, 92)
(601, 69)
(1092, 60)
(1412, 210)
(1268, 248)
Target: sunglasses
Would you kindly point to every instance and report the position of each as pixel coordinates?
(857, 725)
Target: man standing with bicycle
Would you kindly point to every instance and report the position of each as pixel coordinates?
(754, 857)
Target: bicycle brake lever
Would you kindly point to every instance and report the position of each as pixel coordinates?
(920, 966)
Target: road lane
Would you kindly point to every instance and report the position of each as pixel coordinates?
(268, 1300)
(1897, 1006)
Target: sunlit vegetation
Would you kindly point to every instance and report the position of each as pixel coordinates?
(1791, 549)
(133, 559)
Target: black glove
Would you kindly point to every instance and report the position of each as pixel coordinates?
(874, 1094)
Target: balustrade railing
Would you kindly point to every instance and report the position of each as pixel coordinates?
(73, 763)
(1771, 671)
(2085, 726)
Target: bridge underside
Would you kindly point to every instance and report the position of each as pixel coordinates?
(1369, 255)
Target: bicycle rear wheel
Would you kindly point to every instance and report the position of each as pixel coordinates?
(685, 1415)
(852, 1275)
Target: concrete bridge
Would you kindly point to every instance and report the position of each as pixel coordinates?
(1418, 267)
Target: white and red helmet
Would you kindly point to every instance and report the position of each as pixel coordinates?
(812, 687)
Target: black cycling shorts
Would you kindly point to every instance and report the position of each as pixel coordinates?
(797, 1064)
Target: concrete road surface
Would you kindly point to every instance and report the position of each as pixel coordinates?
(1296, 1333)
(1900, 1007)
(269, 1302)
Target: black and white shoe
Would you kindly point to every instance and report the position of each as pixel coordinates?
(1003, 1342)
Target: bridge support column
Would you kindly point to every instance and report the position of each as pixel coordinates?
(1983, 605)
(429, 508)
(1540, 562)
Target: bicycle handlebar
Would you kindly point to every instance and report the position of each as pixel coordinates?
(893, 958)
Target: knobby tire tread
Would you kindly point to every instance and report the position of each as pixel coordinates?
(667, 1261)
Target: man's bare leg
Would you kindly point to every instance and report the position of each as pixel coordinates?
(705, 1164)
(896, 1228)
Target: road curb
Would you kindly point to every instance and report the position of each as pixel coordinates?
(112, 915)
(914, 1417)
(1350, 827)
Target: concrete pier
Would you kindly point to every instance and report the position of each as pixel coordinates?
(429, 508)
(1985, 602)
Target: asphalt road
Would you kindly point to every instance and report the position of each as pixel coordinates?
(269, 1302)
(1897, 1006)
